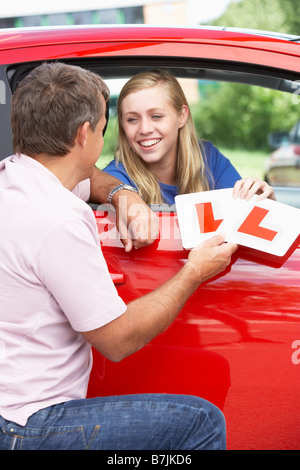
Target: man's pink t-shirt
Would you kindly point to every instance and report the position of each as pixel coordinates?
(54, 284)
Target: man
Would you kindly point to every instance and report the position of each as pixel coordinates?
(56, 295)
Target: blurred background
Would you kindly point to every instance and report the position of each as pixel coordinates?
(74, 12)
(256, 112)
(271, 15)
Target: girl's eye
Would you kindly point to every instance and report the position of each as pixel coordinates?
(156, 116)
(131, 119)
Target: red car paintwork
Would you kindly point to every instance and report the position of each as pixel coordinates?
(36, 44)
(232, 343)
(237, 340)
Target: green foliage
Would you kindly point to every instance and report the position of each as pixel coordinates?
(110, 143)
(253, 14)
(241, 116)
(247, 162)
(269, 15)
(291, 9)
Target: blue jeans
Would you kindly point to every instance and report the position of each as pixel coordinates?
(133, 422)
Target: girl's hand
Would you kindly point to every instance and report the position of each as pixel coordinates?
(248, 187)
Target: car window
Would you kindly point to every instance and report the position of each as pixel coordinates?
(235, 117)
(236, 107)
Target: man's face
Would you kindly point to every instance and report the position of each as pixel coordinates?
(95, 142)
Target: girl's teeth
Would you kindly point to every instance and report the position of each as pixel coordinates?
(149, 143)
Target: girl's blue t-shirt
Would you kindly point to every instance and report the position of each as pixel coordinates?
(221, 173)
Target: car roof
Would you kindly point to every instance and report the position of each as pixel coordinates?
(169, 45)
(12, 38)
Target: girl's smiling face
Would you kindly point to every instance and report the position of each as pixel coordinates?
(151, 125)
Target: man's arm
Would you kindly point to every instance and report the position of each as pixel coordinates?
(137, 224)
(151, 314)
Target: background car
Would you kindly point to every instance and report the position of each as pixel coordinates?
(237, 340)
(283, 165)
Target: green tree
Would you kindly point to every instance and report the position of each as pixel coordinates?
(291, 9)
(235, 115)
(268, 15)
(241, 116)
(110, 143)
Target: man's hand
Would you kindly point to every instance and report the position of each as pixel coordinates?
(137, 223)
(210, 258)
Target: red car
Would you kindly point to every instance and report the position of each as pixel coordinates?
(237, 340)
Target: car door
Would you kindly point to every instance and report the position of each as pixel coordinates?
(234, 343)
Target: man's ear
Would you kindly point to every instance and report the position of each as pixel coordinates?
(82, 133)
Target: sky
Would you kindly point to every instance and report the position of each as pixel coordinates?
(198, 10)
(206, 10)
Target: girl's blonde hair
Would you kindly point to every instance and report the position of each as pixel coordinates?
(190, 169)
